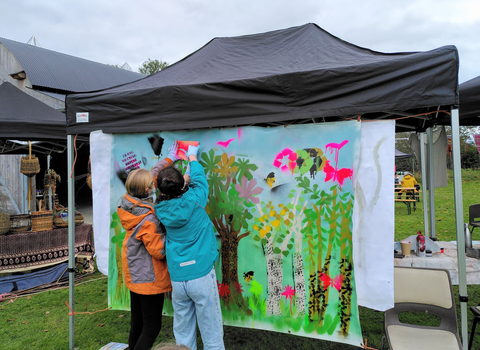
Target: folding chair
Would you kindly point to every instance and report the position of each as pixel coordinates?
(476, 317)
(474, 213)
(428, 291)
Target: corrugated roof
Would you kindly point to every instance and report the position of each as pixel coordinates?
(55, 70)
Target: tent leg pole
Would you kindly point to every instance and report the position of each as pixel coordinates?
(457, 182)
(71, 238)
(423, 171)
(431, 184)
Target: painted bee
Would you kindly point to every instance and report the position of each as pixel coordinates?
(248, 276)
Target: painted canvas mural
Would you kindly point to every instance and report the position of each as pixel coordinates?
(281, 202)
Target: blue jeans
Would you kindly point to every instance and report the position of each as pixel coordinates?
(198, 301)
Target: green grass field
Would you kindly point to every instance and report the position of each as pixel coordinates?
(41, 321)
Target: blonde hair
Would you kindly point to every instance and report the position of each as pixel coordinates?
(138, 182)
(170, 346)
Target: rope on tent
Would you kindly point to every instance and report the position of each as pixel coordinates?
(365, 345)
(75, 160)
(86, 312)
(359, 117)
(426, 113)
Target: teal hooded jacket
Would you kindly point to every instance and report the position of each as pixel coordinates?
(191, 245)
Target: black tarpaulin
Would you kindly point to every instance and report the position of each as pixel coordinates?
(23, 117)
(401, 155)
(470, 102)
(301, 73)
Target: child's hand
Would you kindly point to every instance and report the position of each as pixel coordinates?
(172, 152)
(192, 151)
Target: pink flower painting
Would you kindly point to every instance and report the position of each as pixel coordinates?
(248, 190)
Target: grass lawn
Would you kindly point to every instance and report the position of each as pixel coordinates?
(41, 321)
(407, 225)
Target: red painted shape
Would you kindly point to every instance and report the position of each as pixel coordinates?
(183, 147)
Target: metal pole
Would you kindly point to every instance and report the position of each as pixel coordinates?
(423, 171)
(50, 206)
(431, 184)
(71, 238)
(457, 186)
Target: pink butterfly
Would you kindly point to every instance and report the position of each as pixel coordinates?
(224, 143)
(334, 282)
(337, 174)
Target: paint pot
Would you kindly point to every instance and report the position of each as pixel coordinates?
(428, 253)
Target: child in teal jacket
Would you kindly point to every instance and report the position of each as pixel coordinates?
(191, 250)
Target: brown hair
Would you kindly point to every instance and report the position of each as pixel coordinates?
(171, 183)
(138, 182)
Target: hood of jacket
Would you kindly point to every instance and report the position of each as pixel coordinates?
(176, 212)
(408, 177)
(132, 211)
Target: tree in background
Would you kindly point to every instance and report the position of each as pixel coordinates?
(150, 67)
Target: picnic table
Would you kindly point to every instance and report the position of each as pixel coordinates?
(407, 196)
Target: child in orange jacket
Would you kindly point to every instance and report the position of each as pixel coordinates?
(143, 256)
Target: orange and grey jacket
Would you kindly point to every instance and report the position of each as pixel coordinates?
(143, 254)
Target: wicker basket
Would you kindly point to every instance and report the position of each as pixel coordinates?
(4, 223)
(42, 220)
(60, 218)
(29, 166)
(79, 218)
(20, 223)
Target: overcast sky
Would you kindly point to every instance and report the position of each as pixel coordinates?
(119, 31)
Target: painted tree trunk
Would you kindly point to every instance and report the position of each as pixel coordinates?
(346, 268)
(324, 291)
(346, 296)
(225, 253)
(275, 279)
(326, 268)
(312, 272)
(299, 283)
(319, 285)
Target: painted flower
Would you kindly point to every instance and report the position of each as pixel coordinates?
(238, 288)
(224, 291)
(248, 190)
(225, 165)
(256, 288)
(289, 292)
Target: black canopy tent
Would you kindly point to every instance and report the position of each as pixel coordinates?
(469, 109)
(297, 75)
(23, 117)
(401, 155)
(470, 102)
